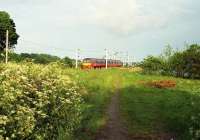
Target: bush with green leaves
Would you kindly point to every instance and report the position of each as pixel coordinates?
(152, 65)
(37, 102)
(185, 63)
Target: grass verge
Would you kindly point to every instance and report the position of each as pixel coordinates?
(154, 111)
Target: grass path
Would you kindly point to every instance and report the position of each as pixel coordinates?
(114, 129)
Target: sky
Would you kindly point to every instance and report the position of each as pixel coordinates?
(135, 27)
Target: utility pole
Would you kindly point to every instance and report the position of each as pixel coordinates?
(116, 55)
(123, 58)
(106, 58)
(132, 63)
(127, 59)
(7, 34)
(77, 57)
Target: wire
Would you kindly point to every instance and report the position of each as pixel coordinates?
(42, 45)
(82, 52)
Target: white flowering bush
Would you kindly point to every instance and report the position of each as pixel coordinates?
(37, 102)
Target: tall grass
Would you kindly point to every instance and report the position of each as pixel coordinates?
(98, 86)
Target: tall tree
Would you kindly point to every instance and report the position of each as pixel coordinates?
(6, 23)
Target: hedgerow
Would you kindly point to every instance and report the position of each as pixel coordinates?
(37, 102)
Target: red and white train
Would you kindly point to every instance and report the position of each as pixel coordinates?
(89, 63)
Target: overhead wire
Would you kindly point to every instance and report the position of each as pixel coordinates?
(83, 52)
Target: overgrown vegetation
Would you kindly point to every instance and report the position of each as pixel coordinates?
(38, 102)
(184, 63)
(52, 102)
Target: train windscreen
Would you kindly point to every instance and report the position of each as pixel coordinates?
(87, 61)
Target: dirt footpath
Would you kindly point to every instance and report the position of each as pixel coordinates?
(114, 130)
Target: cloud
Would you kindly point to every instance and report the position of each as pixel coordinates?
(120, 16)
(125, 16)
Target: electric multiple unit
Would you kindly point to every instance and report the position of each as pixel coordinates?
(89, 63)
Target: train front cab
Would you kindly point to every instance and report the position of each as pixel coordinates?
(87, 64)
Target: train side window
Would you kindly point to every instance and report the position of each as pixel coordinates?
(98, 61)
(117, 62)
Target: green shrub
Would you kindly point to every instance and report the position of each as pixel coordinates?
(185, 63)
(152, 65)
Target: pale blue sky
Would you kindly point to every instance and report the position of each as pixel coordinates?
(141, 27)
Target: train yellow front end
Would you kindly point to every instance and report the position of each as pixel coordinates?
(86, 65)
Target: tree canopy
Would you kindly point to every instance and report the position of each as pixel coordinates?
(152, 64)
(185, 63)
(6, 23)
